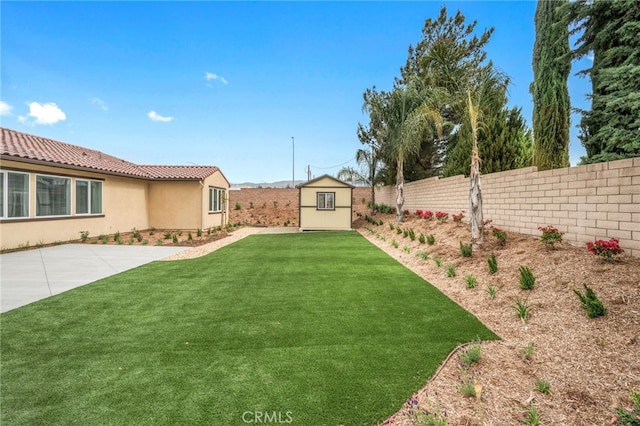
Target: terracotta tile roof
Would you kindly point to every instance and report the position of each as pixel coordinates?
(22, 146)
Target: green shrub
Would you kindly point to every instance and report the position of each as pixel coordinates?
(491, 290)
(412, 234)
(422, 239)
(451, 271)
(470, 355)
(522, 308)
(84, 236)
(543, 386)
(405, 232)
(174, 238)
(527, 279)
(466, 249)
(590, 302)
(431, 240)
(493, 264)
(631, 418)
(394, 243)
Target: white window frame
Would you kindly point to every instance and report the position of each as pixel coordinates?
(216, 199)
(90, 196)
(322, 199)
(70, 195)
(4, 214)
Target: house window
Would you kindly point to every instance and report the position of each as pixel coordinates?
(14, 195)
(216, 200)
(88, 196)
(326, 201)
(53, 196)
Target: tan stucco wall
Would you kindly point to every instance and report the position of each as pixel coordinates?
(175, 205)
(313, 219)
(124, 207)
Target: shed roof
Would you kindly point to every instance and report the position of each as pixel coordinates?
(325, 176)
(28, 148)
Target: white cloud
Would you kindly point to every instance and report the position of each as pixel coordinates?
(213, 76)
(44, 113)
(100, 103)
(5, 108)
(154, 116)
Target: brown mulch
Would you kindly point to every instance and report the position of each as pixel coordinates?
(591, 365)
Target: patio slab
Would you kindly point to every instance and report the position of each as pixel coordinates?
(32, 275)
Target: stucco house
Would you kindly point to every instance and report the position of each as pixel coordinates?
(51, 191)
(326, 204)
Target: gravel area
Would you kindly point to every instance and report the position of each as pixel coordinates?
(231, 238)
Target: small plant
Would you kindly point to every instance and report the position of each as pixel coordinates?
(152, 231)
(451, 271)
(500, 235)
(550, 236)
(189, 237)
(430, 416)
(527, 352)
(412, 235)
(590, 302)
(543, 386)
(199, 233)
(146, 242)
(116, 236)
(431, 240)
(104, 239)
(493, 264)
(84, 236)
(606, 249)
(394, 243)
(406, 249)
(159, 242)
(438, 261)
(405, 232)
(530, 417)
(527, 279)
(427, 215)
(421, 238)
(423, 255)
(136, 234)
(167, 235)
(457, 218)
(468, 387)
(398, 230)
(250, 204)
(631, 418)
(39, 244)
(174, 238)
(522, 308)
(264, 205)
(238, 206)
(391, 226)
(470, 281)
(442, 216)
(466, 250)
(471, 355)
(491, 291)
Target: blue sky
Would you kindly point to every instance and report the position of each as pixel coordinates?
(229, 84)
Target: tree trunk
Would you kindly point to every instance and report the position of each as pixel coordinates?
(475, 200)
(372, 176)
(399, 191)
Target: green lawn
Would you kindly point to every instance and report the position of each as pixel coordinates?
(322, 328)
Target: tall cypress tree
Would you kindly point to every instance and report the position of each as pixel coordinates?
(551, 104)
(611, 33)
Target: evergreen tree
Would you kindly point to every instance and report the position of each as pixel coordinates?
(551, 104)
(610, 31)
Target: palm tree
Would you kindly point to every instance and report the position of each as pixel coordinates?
(407, 113)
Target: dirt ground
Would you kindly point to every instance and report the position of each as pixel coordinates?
(590, 365)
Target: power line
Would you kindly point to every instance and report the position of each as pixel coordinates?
(333, 167)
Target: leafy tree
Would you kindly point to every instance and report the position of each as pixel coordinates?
(370, 172)
(610, 30)
(551, 104)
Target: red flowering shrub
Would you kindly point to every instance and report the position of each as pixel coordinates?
(500, 235)
(442, 216)
(458, 217)
(607, 249)
(427, 215)
(550, 235)
(419, 213)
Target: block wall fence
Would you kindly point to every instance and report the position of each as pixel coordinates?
(596, 201)
(283, 196)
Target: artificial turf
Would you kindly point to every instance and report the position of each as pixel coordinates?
(306, 329)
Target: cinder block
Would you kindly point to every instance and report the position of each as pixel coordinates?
(569, 207)
(619, 181)
(597, 167)
(620, 217)
(630, 189)
(606, 174)
(630, 171)
(613, 233)
(607, 224)
(568, 192)
(607, 207)
(621, 164)
(631, 208)
(597, 215)
(608, 190)
(578, 199)
(630, 226)
(587, 207)
(560, 214)
(586, 191)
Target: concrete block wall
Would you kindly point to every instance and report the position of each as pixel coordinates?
(282, 196)
(596, 201)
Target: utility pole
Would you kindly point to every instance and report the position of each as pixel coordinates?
(308, 172)
(293, 163)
